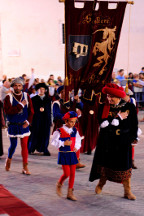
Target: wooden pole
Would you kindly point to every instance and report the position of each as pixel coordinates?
(66, 74)
(129, 2)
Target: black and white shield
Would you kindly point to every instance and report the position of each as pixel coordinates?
(78, 51)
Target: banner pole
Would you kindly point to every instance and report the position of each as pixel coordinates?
(129, 2)
(126, 89)
(66, 75)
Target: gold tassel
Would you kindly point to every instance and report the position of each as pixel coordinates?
(126, 88)
(66, 81)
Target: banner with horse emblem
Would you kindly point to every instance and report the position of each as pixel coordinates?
(92, 36)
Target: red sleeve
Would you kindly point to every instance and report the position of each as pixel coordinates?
(9, 109)
(2, 121)
(30, 110)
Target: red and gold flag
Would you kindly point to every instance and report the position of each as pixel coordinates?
(92, 38)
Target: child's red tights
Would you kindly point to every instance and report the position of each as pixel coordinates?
(68, 171)
(133, 150)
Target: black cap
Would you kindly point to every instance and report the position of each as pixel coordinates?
(41, 85)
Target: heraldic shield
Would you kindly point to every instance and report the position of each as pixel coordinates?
(78, 51)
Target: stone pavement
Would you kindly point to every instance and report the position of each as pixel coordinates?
(38, 190)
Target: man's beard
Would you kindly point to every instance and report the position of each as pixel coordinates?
(17, 91)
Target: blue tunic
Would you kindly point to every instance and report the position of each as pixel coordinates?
(16, 121)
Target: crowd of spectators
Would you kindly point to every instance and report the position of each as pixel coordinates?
(135, 84)
(29, 84)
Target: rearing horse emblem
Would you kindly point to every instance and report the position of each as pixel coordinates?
(105, 47)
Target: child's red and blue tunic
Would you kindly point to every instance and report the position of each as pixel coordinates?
(66, 155)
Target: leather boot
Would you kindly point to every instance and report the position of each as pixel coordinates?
(25, 169)
(133, 165)
(79, 165)
(100, 185)
(127, 190)
(70, 195)
(58, 189)
(8, 164)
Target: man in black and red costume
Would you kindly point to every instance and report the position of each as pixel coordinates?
(118, 129)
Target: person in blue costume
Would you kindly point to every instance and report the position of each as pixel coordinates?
(19, 111)
(40, 130)
(68, 141)
(60, 107)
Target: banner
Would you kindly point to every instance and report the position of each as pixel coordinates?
(92, 38)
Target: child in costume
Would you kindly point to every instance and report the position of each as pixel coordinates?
(60, 108)
(68, 140)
